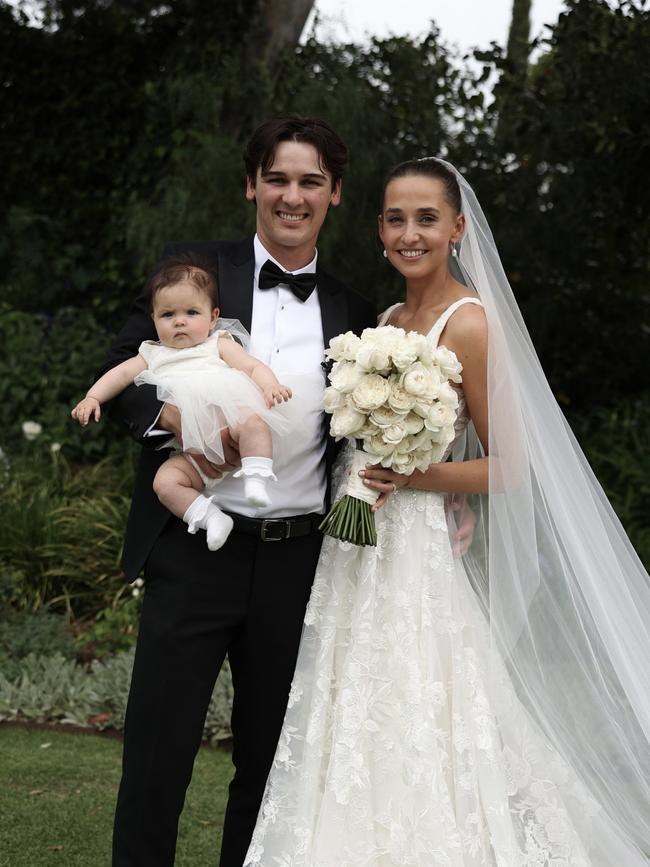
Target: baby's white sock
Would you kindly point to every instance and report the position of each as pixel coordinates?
(256, 471)
(203, 513)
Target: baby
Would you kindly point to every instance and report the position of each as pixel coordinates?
(214, 383)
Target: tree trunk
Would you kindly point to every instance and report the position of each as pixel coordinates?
(274, 29)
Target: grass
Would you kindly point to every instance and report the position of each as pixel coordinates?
(57, 796)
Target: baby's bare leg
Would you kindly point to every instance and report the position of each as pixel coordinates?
(178, 487)
(253, 437)
(256, 450)
(177, 484)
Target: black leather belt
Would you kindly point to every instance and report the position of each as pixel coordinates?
(276, 529)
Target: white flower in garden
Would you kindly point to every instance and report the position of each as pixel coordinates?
(346, 422)
(55, 448)
(346, 375)
(449, 363)
(31, 429)
(399, 399)
(135, 592)
(448, 395)
(333, 399)
(371, 392)
(343, 347)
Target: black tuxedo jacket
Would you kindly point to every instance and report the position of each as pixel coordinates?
(138, 406)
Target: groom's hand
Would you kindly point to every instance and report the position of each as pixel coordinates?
(170, 419)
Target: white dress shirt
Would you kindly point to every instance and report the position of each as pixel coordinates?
(287, 335)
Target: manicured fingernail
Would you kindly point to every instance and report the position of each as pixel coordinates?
(362, 473)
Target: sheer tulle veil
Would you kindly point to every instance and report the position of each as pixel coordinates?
(567, 598)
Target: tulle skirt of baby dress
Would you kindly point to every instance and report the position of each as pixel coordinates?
(209, 394)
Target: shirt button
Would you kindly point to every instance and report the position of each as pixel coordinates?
(277, 350)
(281, 306)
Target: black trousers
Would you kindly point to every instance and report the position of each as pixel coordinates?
(248, 601)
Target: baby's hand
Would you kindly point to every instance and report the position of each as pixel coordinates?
(86, 408)
(276, 394)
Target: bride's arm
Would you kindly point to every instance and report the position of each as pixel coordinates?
(466, 335)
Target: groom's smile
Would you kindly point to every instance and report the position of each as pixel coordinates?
(293, 196)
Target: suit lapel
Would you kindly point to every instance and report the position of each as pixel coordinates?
(333, 307)
(236, 272)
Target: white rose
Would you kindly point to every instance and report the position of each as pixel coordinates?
(399, 399)
(373, 357)
(383, 416)
(405, 353)
(371, 392)
(346, 422)
(440, 416)
(421, 381)
(448, 395)
(31, 429)
(368, 430)
(345, 376)
(404, 463)
(55, 448)
(413, 423)
(333, 399)
(449, 363)
(377, 446)
(343, 347)
(405, 445)
(394, 433)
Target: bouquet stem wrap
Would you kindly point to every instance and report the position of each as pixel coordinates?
(351, 518)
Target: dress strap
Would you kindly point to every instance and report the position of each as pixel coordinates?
(385, 316)
(443, 319)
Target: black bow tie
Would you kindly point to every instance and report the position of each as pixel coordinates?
(302, 285)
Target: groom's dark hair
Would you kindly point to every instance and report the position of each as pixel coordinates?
(260, 150)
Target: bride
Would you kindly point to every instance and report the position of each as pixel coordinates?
(490, 709)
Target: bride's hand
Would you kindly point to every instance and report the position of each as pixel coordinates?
(383, 480)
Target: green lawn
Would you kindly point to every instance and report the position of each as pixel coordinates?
(57, 795)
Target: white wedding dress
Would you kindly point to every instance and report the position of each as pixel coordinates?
(404, 742)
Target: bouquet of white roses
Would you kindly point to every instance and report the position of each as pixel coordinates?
(390, 392)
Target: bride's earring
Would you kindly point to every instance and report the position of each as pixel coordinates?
(453, 250)
(385, 254)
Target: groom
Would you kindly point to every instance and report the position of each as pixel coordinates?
(246, 600)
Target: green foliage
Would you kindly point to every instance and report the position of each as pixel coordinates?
(151, 152)
(112, 630)
(48, 688)
(615, 440)
(61, 534)
(51, 688)
(24, 633)
(47, 364)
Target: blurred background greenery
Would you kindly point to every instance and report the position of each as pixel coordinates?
(122, 127)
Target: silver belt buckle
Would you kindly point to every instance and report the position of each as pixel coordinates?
(267, 525)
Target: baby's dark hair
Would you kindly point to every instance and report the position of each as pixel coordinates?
(428, 167)
(184, 267)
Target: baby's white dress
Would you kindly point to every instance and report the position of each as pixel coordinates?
(209, 394)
